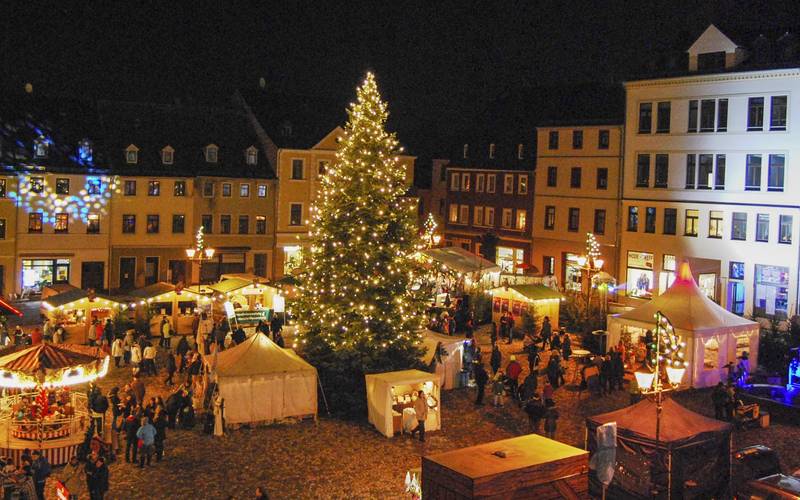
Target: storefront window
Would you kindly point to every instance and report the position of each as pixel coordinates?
(708, 284)
(771, 291)
(572, 273)
(667, 275)
(509, 260)
(292, 257)
(640, 274)
(42, 272)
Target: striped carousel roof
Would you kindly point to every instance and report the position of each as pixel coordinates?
(32, 359)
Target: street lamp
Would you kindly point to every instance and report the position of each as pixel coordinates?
(591, 264)
(200, 251)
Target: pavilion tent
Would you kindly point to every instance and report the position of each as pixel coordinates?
(262, 382)
(382, 389)
(691, 458)
(461, 261)
(448, 367)
(714, 336)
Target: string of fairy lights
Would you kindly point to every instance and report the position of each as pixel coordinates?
(672, 349)
(357, 288)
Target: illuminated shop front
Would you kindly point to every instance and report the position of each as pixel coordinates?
(640, 274)
(572, 273)
(771, 291)
(37, 273)
(510, 260)
(292, 257)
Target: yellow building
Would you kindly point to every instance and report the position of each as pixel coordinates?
(577, 192)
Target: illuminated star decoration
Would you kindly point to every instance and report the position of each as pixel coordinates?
(429, 227)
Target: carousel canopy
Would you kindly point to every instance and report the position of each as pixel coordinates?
(53, 365)
(460, 260)
(64, 298)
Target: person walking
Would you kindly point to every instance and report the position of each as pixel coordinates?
(71, 477)
(495, 359)
(481, 378)
(96, 477)
(550, 421)
(147, 434)
(41, 471)
(171, 368)
(117, 350)
(554, 370)
(547, 332)
(533, 357)
(160, 424)
(535, 410)
(513, 371)
(421, 409)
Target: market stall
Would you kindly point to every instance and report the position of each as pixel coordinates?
(518, 299)
(447, 354)
(77, 310)
(391, 394)
(164, 299)
(251, 300)
(453, 271)
(43, 413)
(691, 459)
(261, 382)
(714, 336)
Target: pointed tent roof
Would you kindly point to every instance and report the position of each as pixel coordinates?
(688, 309)
(258, 355)
(679, 425)
(31, 359)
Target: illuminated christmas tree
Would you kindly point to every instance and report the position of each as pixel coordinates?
(358, 307)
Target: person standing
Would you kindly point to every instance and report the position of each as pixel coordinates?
(547, 332)
(510, 322)
(535, 410)
(72, 478)
(566, 346)
(718, 399)
(41, 471)
(498, 388)
(108, 331)
(164, 329)
(495, 359)
(147, 433)
(138, 389)
(481, 378)
(181, 350)
(421, 409)
(149, 356)
(171, 368)
(550, 421)
(617, 370)
(136, 357)
(533, 357)
(131, 427)
(117, 351)
(160, 424)
(96, 477)
(513, 371)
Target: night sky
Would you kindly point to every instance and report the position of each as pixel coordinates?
(443, 66)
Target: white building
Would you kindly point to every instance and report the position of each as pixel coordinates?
(709, 177)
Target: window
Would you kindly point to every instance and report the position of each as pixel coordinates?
(227, 189)
(178, 223)
(691, 171)
(93, 186)
(490, 183)
(2, 188)
(455, 181)
(179, 188)
(633, 219)
(663, 118)
(752, 176)
(251, 155)
(640, 274)
(224, 224)
(645, 117)
(785, 229)
(463, 214)
(61, 224)
(62, 186)
(552, 141)
(167, 155)
(523, 184)
(549, 217)
(771, 291)
(93, 224)
(262, 190)
(207, 221)
(603, 139)
(132, 155)
(453, 217)
(777, 112)
(129, 188)
(691, 222)
(2, 229)
(212, 153)
(296, 214)
(40, 147)
(37, 185)
(709, 61)
(506, 220)
(465, 151)
(480, 183)
(762, 227)
(693, 108)
(739, 226)
(574, 220)
(707, 115)
(775, 173)
(548, 265)
(719, 175)
(154, 188)
(208, 189)
(522, 218)
(35, 222)
(244, 190)
(244, 224)
(152, 223)
(705, 171)
(520, 152)
(488, 217)
(577, 139)
(755, 113)
(508, 184)
(736, 270)
(722, 115)
(599, 221)
(128, 223)
(322, 167)
(670, 220)
(643, 170)
(715, 224)
(662, 171)
(261, 224)
(552, 176)
(477, 216)
(575, 177)
(465, 178)
(602, 178)
(260, 264)
(491, 151)
(650, 220)
(297, 169)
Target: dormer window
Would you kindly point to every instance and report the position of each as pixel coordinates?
(286, 129)
(491, 151)
(520, 151)
(40, 148)
(714, 51)
(251, 155)
(132, 155)
(167, 155)
(212, 153)
(465, 151)
(85, 151)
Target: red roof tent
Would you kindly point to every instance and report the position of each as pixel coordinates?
(8, 308)
(30, 359)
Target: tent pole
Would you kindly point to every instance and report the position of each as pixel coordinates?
(324, 399)
(669, 474)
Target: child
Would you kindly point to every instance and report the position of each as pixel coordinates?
(498, 389)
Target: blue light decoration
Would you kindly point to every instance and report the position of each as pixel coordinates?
(794, 373)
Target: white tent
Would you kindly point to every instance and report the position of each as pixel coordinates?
(383, 388)
(713, 335)
(448, 370)
(261, 382)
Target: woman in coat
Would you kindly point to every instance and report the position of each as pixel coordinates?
(136, 355)
(117, 350)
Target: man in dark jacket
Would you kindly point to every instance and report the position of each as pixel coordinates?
(41, 471)
(170, 368)
(547, 332)
(97, 478)
(495, 360)
(181, 350)
(131, 426)
(718, 398)
(481, 377)
(617, 370)
(138, 389)
(239, 335)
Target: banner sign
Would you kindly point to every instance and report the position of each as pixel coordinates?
(253, 317)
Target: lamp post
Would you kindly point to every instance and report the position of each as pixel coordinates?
(591, 263)
(200, 252)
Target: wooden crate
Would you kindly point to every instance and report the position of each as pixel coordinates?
(534, 467)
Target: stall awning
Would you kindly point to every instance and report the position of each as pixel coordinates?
(532, 292)
(62, 299)
(460, 260)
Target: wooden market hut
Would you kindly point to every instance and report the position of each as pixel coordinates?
(251, 299)
(76, 310)
(163, 298)
(526, 297)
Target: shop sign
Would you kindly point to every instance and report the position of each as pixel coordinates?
(252, 317)
(640, 260)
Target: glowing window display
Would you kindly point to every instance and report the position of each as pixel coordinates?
(37, 273)
(292, 257)
(667, 275)
(771, 291)
(640, 274)
(572, 273)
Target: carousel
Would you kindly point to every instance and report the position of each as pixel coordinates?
(38, 408)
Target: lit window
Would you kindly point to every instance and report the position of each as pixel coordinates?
(40, 147)
(128, 223)
(226, 189)
(62, 185)
(506, 221)
(549, 217)
(212, 153)
(521, 219)
(715, 224)
(322, 167)
(2, 188)
(93, 186)
(785, 229)
(244, 190)
(93, 224)
(262, 190)
(61, 224)
(251, 155)
(35, 222)
(465, 178)
(179, 188)
(508, 184)
(762, 227)
(523, 184)
(490, 183)
(129, 188)
(691, 222)
(154, 188)
(37, 184)
(132, 155)
(491, 151)
(453, 213)
(167, 155)
(261, 224)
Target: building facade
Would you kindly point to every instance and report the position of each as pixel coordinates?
(577, 192)
(433, 200)
(708, 179)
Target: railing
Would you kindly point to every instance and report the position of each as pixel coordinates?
(37, 430)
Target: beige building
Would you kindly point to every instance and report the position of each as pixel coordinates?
(433, 200)
(577, 192)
